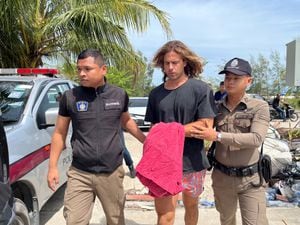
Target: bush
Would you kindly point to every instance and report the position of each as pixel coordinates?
(293, 134)
(295, 102)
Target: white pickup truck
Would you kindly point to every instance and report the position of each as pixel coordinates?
(29, 106)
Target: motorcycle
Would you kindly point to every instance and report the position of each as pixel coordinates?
(289, 112)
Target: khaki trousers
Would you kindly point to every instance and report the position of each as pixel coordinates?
(83, 187)
(229, 191)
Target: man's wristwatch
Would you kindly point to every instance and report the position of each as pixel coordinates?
(219, 136)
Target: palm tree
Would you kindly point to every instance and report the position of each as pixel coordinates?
(33, 31)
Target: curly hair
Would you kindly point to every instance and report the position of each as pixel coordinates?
(194, 64)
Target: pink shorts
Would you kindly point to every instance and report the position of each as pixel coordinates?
(193, 183)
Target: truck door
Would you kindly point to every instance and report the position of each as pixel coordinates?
(6, 198)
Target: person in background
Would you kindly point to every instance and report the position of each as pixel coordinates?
(276, 106)
(127, 157)
(97, 111)
(182, 98)
(241, 126)
(221, 93)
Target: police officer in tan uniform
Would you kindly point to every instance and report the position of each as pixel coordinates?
(241, 125)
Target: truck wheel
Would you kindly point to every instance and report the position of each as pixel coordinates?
(22, 217)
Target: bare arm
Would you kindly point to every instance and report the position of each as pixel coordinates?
(57, 145)
(129, 124)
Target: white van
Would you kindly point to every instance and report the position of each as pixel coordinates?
(137, 107)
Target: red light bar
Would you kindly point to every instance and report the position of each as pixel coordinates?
(29, 71)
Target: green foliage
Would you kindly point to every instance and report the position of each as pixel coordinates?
(37, 31)
(269, 75)
(293, 134)
(69, 71)
(120, 78)
(125, 80)
(34, 30)
(260, 68)
(295, 102)
(141, 74)
(136, 82)
(143, 83)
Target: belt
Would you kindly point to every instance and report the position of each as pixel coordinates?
(236, 171)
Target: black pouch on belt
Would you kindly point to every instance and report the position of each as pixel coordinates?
(266, 167)
(211, 155)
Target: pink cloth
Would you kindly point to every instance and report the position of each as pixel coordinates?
(160, 168)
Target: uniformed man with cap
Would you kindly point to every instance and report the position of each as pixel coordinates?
(241, 125)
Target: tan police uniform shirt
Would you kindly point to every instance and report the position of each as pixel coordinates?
(243, 131)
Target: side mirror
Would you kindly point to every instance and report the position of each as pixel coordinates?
(50, 117)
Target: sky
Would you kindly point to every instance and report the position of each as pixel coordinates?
(218, 30)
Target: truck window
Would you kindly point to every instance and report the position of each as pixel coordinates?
(13, 98)
(50, 100)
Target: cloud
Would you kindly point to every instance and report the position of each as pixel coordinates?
(219, 30)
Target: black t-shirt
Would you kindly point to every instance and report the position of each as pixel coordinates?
(191, 101)
(275, 102)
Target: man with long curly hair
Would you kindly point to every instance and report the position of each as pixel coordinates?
(184, 99)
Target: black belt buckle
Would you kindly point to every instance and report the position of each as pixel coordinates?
(251, 171)
(245, 172)
(233, 172)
